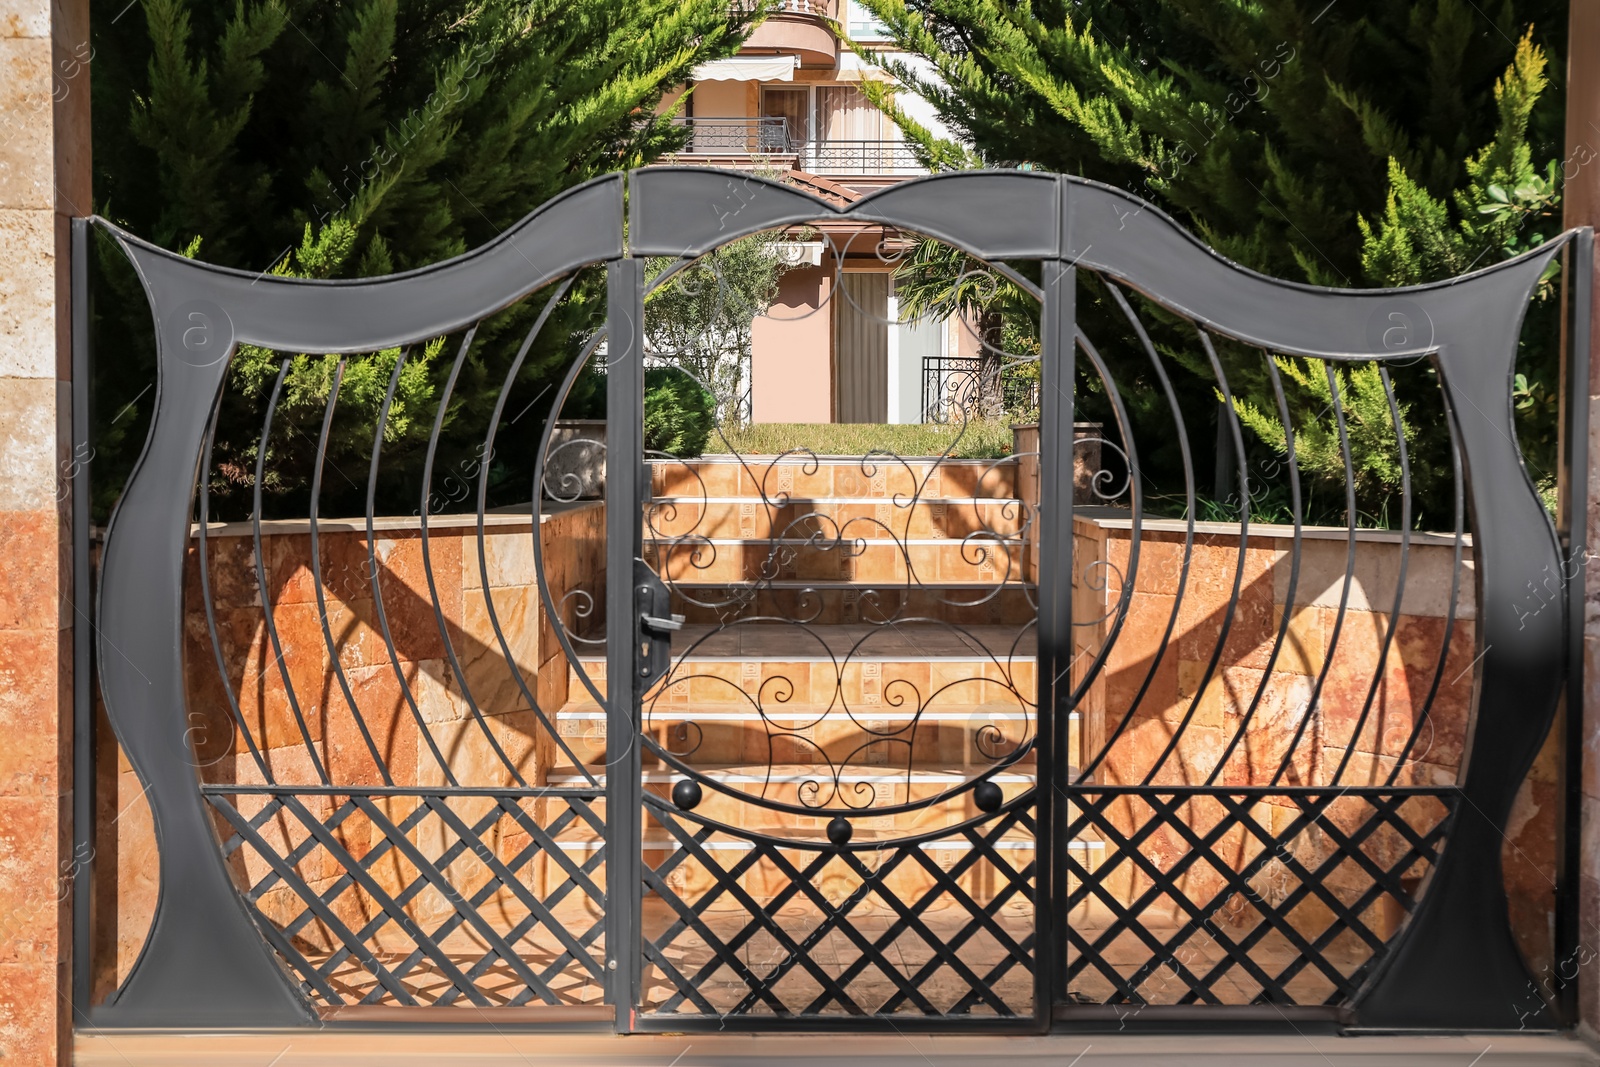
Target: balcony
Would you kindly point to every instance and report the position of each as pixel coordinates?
(738, 139)
(802, 28)
(827, 9)
(860, 159)
(742, 141)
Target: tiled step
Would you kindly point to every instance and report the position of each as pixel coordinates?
(872, 518)
(806, 676)
(1011, 604)
(980, 562)
(881, 737)
(908, 880)
(832, 477)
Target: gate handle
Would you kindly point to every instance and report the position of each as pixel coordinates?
(655, 625)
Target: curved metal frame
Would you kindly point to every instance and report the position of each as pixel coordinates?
(1454, 965)
(205, 963)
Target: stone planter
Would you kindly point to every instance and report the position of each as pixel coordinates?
(575, 465)
(1085, 460)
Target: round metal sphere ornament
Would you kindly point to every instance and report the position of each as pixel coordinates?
(839, 831)
(687, 794)
(987, 796)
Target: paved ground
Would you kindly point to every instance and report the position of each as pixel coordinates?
(869, 980)
(514, 1049)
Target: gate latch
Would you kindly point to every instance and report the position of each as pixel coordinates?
(655, 626)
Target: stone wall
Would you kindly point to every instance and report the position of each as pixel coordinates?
(1580, 206)
(572, 542)
(1336, 671)
(44, 183)
(1086, 472)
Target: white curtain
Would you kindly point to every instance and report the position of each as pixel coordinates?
(845, 114)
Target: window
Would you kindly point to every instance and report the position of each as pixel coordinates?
(862, 26)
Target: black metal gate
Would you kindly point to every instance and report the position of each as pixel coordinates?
(322, 864)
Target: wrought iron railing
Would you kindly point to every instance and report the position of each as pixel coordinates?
(860, 157)
(957, 384)
(1287, 832)
(820, 8)
(758, 136)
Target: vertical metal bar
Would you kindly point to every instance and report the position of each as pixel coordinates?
(624, 433)
(1573, 523)
(1054, 531)
(83, 792)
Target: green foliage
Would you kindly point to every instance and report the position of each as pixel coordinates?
(935, 280)
(679, 413)
(1346, 144)
(702, 317)
(1364, 406)
(1505, 206)
(344, 140)
(977, 439)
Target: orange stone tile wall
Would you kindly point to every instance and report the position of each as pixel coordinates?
(1398, 680)
(44, 182)
(573, 548)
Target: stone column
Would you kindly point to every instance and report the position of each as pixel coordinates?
(44, 181)
(1581, 207)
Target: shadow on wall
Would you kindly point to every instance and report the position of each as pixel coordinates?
(342, 704)
(1191, 691)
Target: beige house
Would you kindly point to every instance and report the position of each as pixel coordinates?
(834, 346)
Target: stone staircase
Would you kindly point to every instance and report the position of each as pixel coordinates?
(857, 636)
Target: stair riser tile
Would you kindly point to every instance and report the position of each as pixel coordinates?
(864, 686)
(708, 744)
(804, 477)
(888, 520)
(980, 562)
(1007, 605)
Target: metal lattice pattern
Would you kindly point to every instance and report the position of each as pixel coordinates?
(746, 925)
(1244, 898)
(406, 899)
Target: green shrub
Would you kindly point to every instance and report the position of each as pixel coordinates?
(678, 412)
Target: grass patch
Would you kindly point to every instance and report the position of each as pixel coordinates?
(978, 439)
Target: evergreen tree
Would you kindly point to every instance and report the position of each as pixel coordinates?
(1352, 143)
(356, 138)
(701, 319)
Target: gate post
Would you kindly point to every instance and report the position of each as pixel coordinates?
(624, 455)
(1054, 534)
(44, 182)
(1578, 912)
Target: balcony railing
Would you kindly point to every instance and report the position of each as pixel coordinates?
(724, 137)
(821, 8)
(833, 157)
(769, 136)
(959, 387)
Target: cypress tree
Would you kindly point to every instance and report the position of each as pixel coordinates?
(1349, 143)
(356, 138)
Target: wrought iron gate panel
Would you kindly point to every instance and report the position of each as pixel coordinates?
(241, 935)
(1467, 329)
(816, 860)
(287, 894)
